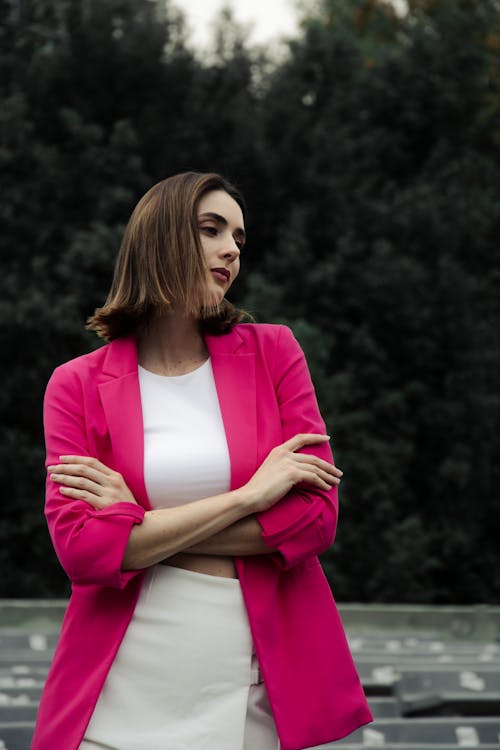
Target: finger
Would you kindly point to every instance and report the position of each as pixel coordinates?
(87, 497)
(79, 470)
(86, 461)
(330, 479)
(298, 441)
(319, 462)
(311, 478)
(79, 483)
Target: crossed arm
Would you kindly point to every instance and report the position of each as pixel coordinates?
(242, 538)
(224, 524)
(102, 536)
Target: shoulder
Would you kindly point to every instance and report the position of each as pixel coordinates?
(275, 346)
(84, 364)
(79, 370)
(268, 335)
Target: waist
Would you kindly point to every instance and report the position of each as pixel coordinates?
(213, 565)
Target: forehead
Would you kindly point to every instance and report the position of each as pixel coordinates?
(220, 202)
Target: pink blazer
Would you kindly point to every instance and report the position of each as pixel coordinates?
(92, 407)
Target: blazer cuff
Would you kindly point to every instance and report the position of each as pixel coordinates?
(293, 528)
(122, 508)
(99, 550)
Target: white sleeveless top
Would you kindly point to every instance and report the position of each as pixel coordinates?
(186, 456)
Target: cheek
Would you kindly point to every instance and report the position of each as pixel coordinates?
(204, 248)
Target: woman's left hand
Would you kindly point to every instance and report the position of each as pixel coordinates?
(86, 478)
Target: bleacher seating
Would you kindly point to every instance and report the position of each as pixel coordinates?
(427, 691)
(24, 661)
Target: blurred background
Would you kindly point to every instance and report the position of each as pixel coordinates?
(365, 136)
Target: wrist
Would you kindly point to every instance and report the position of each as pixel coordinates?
(246, 499)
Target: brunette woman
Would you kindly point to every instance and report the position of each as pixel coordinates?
(190, 489)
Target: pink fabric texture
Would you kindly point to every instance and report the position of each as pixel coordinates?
(92, 407)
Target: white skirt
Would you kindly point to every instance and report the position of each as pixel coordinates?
(185, 675)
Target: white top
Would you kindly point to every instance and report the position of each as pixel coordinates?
(186, 456)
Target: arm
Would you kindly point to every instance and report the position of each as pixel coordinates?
(184, 528)
(240, 539)
(164, 532)
(108, 543)
(303, 523)
(89, 543)
(100, 533)
(225, 524)
(226, 534)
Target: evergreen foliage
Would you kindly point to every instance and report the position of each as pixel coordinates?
(369, 157)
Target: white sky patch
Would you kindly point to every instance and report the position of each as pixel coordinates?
(268, 19)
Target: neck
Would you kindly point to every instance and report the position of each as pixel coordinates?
(172, 343)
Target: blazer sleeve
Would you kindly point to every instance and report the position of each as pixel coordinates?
(303, 523)
(89, 543)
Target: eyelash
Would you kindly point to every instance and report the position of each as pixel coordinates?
(213, 232)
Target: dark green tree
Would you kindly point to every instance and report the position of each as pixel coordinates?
(370, 160)
(387, 192)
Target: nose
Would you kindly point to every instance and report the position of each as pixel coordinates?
(230, 251)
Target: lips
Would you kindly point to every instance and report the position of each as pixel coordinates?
(222, 274)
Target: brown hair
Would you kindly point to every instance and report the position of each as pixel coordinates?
(161, 261)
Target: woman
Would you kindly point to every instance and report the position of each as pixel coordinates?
(190, 489)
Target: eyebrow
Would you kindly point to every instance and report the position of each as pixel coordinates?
(240, 233)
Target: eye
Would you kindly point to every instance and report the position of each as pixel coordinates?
(210, 230)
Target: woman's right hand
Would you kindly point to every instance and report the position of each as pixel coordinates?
(284, 468)
(86, 478)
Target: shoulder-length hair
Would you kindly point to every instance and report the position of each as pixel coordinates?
(161, 263)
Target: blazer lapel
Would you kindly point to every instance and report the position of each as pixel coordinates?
(235, 381)
(121, 402)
